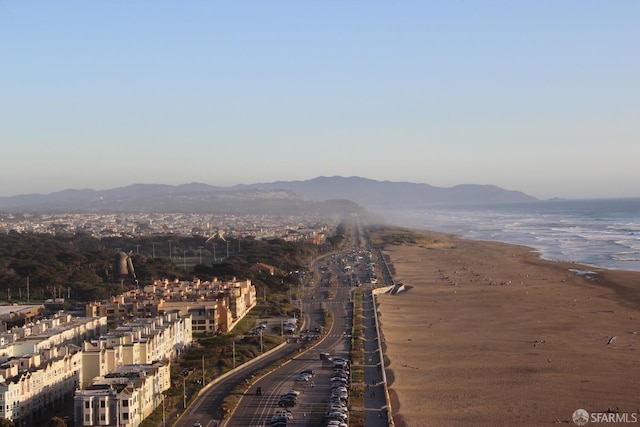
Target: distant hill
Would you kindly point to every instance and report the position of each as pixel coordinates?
(371, 193)
(322, 194)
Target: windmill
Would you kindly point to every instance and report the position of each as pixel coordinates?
(124, 266)
(219, 235)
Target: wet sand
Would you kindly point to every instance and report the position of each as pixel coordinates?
(490, 334)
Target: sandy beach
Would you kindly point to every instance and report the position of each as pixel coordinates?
(490, 334)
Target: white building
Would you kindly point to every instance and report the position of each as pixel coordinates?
(124, 397)
(141, 341)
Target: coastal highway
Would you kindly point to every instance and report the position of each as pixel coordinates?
(252, 410)
(314, 395)
(205, 408)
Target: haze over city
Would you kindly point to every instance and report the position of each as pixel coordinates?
(540, 97)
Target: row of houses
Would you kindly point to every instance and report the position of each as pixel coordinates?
(215, 306)
(113, 364)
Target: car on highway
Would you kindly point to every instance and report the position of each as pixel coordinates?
(302, 377)
(284, 413)
(287, 401)
(279, 418)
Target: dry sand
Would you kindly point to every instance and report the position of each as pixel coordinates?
(490, 334)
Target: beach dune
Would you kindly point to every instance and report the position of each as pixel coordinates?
(490, 334)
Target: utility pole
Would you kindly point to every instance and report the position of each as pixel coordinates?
(203, 370)
(184, 392)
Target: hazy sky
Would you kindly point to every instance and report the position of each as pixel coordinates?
(537, 96)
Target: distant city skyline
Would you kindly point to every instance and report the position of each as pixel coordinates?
(541, 97)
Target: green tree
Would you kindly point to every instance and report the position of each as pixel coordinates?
(56, 422)
(6, 423)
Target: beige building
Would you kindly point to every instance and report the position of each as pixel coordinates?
(141, 341)
(214, 306)
(123, 397)
(40, 365)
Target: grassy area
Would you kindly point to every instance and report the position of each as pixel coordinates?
(357, 356)
(388, 235)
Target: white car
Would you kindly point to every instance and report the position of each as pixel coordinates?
(302, 377)
(284, 413)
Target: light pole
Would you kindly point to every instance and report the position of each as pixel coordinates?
(164, 420)
(184, 392)
(200, 250)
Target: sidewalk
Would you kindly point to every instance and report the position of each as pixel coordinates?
(375, 398)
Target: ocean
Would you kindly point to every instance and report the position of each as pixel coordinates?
(597, 232)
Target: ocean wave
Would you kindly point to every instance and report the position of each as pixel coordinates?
(602, 233)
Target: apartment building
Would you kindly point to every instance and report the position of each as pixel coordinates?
(215, 306)
(141, 341)
(123, 397)
(33, 385)
(40, 365)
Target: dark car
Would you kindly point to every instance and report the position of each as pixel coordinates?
(259, 391)
(287, 402)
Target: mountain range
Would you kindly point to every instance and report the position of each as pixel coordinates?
(321, 194)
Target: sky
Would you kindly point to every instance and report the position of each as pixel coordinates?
(536, 96)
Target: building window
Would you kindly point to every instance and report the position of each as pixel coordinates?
(125, 403)
(87, 404)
